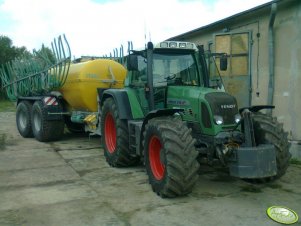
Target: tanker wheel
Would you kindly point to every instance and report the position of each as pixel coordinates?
(44, 130)
(115, 136)
(268, 130)
(23, 119)
(170, 157)
(74, 127)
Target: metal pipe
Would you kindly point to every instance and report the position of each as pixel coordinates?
(271, 56)
(149, 54)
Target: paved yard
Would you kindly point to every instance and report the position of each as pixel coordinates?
(69, 183)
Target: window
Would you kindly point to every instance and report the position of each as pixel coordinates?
(139, 76)
(236, 46)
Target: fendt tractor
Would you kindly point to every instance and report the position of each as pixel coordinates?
(156, 106)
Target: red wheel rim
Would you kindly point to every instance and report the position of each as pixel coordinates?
(110, 133)
(157, 167)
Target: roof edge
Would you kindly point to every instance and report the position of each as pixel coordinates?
(225, 19)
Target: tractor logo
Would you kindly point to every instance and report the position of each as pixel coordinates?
(228, 106)
(282, 215)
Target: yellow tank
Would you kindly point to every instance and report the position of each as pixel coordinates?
(80, 89)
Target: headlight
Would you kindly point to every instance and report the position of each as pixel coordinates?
(237, 118)
(163, 44)
(182, 45)
(172, 45)
(218, 119)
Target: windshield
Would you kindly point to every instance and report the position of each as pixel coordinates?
(175, 69)
(171, 69)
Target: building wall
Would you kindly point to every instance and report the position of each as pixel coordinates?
(288, 68)
(287, 31)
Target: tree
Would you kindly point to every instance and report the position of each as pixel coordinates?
(9, 52)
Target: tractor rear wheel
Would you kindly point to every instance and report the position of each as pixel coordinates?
(115, 136)
(170, 157)
(268, 130)
(23, 119)
(44, 130)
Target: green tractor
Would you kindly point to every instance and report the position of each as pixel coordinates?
(168, 116)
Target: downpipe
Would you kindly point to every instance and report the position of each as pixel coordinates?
(271, 41)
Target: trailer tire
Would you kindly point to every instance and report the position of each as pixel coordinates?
(43, 129)
(23, 119)
(170, 157)
(268, 130)
(115, 136)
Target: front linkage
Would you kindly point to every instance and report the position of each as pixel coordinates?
(259, 151)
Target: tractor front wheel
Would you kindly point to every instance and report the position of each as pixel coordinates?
(268, 130)
(170, 157)
(115, 136)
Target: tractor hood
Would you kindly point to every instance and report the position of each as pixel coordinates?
(211, 109)
(224, 105)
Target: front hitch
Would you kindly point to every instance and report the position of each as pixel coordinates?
(248, 128)
(254, 162)
(251, 160)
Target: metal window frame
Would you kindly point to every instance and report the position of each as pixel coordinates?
(249, 55)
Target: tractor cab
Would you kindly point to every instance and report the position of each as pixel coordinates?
(173, 64)
(174, 75)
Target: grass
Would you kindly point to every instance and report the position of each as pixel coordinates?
(7, 106)
(295, 161)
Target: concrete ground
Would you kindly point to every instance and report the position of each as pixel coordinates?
(69, 183)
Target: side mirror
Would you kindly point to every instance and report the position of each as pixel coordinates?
(132, 62)
(223, 63)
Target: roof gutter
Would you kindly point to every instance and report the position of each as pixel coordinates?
(271, 40)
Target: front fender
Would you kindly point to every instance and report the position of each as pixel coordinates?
(121, 99)
(256, 108)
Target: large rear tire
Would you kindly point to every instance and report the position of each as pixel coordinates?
(23, 119)
(43, 129)
(268, 130)
(115, 136)
(170, 157)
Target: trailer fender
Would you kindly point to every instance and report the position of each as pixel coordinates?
(51, 103)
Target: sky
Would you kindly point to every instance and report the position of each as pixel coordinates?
(96, 27)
